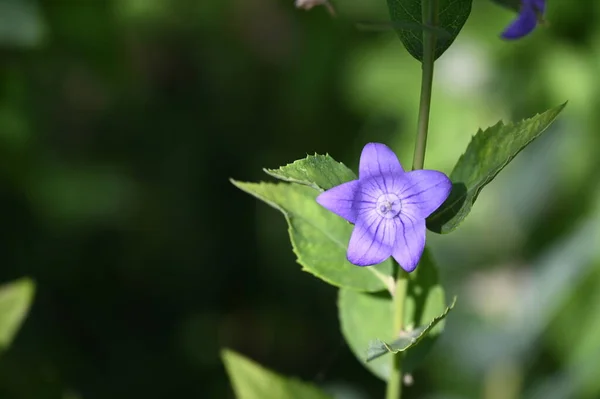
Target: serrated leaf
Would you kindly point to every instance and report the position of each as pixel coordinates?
(488, 153)
(15, 300)
(365, 317)
(319, 238)
(451, 16)
(408, 339)
(320, 172)
(252, 381)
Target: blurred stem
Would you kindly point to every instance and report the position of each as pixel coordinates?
(429, 11)
(394, 386)
(503, 381)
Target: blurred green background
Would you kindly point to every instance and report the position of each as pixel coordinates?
(121, 122)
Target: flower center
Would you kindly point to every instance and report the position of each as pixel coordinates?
(388, 205)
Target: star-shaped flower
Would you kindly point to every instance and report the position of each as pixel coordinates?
(388, 207)
(531, 11)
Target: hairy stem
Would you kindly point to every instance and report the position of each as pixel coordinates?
(429, 13)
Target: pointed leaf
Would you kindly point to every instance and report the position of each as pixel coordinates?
(320, 172)
(407, 340)
(487, 154)
(15, 300)
(451, 16)
(367, 317)
(252, 381)
(319, 238)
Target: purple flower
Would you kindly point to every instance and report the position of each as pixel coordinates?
(531, 11)
(388, 207)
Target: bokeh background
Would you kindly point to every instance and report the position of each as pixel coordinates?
(121, 122)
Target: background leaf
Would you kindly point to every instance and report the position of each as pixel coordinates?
(319, 238)
(252, 381)
(321, 172)
(487, 154)
(15, 300)
(451, 17)
(365, 317)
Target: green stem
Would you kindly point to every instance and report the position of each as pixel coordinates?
(429, 10)
(429, 15)
(394, 386)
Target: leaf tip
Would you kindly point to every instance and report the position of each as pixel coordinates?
(237, 183)
(25, 286)
(227, 354)
(453, 302)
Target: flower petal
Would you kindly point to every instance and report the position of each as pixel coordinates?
(523, 25)
(342, 200)
(372, 239)
(372, 188)
(424, 192)
(410, 242)
(378, 160)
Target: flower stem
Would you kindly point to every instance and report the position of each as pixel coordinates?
(429, 11)
(394, 386)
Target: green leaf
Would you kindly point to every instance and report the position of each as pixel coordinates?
(407, 340)
(15, 300)
(320, 172)
(366, 317)
(319, 238)
(252, 381)
(452, 15)
(385, 26)
(487, 154)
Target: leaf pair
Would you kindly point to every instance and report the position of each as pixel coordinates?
(319, 238)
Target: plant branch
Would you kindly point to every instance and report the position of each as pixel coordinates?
(429, 15)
